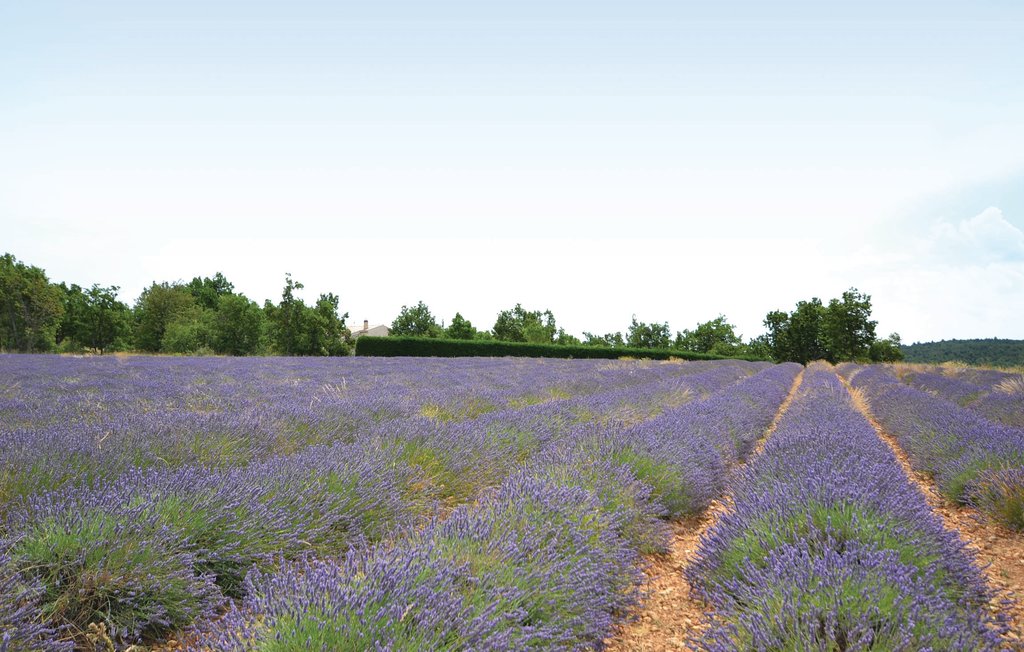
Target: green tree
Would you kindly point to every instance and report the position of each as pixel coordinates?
(30, 307)
(69, 336)
(608, 339)
(326, 333)
(759, 347)
(416, 321)
(843, 330)
(287, 318)
(460, 328)
(521, 325)
(156, 308)
(189, 332)
(847, 330)
(797, 336)
(714, 336)
(886, 350)
(566, 339)
(648, 336)
(298, 329)
(239, 326)
(103, 320)
(207, 291)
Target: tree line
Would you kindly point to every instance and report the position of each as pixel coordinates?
(995, 352)
(207, 316)
(203, 316)
(840, 331)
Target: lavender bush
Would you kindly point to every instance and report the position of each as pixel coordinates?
(829, 547)
(971, 459)
(143, 498)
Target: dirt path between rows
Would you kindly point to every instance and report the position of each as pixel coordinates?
(998, 550)
(670, 614)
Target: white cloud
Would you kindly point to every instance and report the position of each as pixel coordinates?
(985, 238)
(955, 279)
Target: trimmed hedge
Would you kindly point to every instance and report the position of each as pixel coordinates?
(440, 348)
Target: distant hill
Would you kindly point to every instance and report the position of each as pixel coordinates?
(994, 352)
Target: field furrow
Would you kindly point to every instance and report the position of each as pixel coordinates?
(828, 546)
(670, 613)
(1000, 551)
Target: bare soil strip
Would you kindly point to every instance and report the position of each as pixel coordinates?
(670, 614)
(998, 550)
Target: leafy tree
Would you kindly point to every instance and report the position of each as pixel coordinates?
(521, 325)
(189, 332)
(648, 336)
(416, 321)
(30, 307)
(759, 347)
(838, 332)
(566, 339)
(797, 337)
(992, 351)
(460, 328)
(206, 291)
(847, 330)
(298, 329)
(69, 335)
(804, 335)
(886, 350)
(239, 326)
(714, 336)
(287, 317)
(608, 339)
(325, 328)
(93, 318)
(158, 306)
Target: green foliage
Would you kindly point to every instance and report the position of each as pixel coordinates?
(286, 317)
(715, 336)
(606, 340)
(821, 525)
(886, 350)
(847, 328)
(158, 306)
(520, 325)
(993, 352)
(93, 319)
(669, 486)
(443, 348)
(207, 291)
(566, 339)
(30, 307)
(298, 329)
(459, 329)
(416, 321)
(189, 332)
(648, 336)
(841, 331)
(239, 326)
(759, 347)
(84, 563)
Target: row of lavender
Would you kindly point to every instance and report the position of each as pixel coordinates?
(548, 561)
(87, 420)
(147, 550)
(972, 459)
(829, 547)
(995, 395)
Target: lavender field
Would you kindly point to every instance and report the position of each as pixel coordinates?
(490, 504)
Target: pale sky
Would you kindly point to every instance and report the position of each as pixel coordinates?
(672, 160)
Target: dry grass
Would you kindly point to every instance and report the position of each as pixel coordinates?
(1013, 386)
